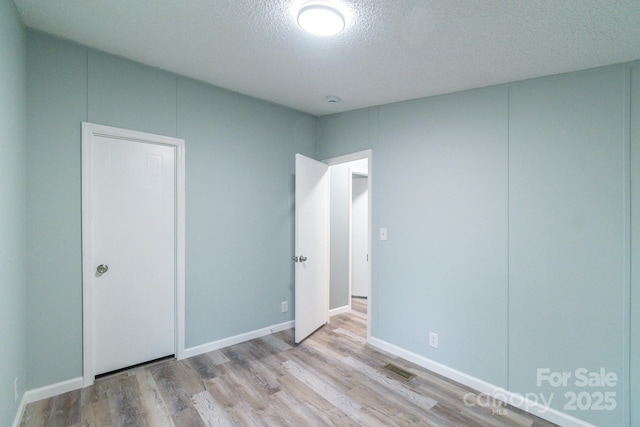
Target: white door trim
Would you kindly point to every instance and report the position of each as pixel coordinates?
(89, 132)
(365, 154)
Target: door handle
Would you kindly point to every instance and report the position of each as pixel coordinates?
(302, 258)
(102, 268)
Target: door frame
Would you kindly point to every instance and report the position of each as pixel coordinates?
(89, 132)
(360, 155)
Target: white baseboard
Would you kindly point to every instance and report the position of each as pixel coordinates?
(226, 342)
(496, 392)
(339, 310)
(18, 419)
(53, 390)
(44, 393)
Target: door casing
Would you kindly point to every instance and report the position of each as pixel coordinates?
(89, 132)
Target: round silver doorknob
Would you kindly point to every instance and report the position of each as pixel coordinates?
(102, 268)
(303, 258)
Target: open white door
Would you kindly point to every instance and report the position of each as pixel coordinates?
(312, 246)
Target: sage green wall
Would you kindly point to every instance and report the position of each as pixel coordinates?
(508, 217)
(635, 247)
(57, 103)
(439, 187)
(239, 195)
(240, 209)
(13, 274)
(568, 252)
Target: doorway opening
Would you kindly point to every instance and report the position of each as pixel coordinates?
(350, 235)
(359, 234)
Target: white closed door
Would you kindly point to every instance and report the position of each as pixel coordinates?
(311, 246)
(133, 204)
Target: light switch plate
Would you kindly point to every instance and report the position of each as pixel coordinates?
(383, 233)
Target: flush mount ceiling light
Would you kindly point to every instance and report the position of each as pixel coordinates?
(320, 19)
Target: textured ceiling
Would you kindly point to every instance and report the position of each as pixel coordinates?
(391, 50)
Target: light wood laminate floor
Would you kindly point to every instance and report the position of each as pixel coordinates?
(331, 379)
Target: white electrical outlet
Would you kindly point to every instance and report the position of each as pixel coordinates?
(433, 339)
(15, 390)
(284, 306)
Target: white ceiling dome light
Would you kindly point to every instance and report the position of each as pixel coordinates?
(321, 19)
